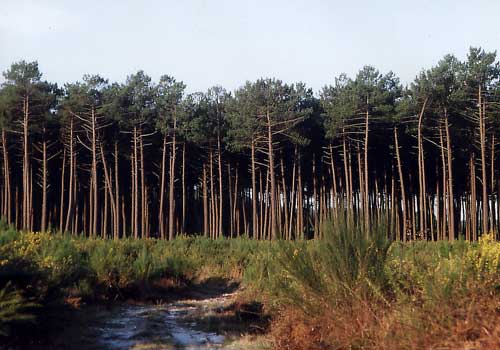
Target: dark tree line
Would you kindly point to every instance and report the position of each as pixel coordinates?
(269, 160)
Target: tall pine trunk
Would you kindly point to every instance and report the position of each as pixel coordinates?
(270, 151)
(255, 223)
(72, 172)
(117, 195)
(402, 185)
(421, 172)
(171, 192)
(366, 199)
(482, 137)
(161, 216)
(451, 198)
(7, 213)
(183, 220)
(26, 166)
(219, 156)
(43, 225)
(205, 202)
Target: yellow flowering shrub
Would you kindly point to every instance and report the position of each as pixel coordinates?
(486, 257)
(53, 255)
(431, 270)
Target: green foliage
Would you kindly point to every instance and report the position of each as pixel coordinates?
(60, 262)
(430, 272)
(7, 233)
(345, 265)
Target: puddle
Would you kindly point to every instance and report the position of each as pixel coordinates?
(148, 327)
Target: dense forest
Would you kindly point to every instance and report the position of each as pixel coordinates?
(270, 160)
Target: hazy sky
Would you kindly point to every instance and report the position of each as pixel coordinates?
(209, 42)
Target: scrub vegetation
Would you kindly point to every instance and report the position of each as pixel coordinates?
(346, 290)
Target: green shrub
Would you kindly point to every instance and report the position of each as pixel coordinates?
(346, 264)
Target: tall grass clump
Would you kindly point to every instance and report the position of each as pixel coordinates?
(330, 289)
(347, 264)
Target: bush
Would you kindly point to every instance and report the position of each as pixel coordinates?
(346, 264)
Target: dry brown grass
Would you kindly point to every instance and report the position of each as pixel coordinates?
(470, 322)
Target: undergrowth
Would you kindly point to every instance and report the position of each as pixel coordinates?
(349, 290)
(354, 290)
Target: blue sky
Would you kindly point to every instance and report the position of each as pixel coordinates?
(217, 42)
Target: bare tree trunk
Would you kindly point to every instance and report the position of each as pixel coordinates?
(183, 222)
(394, 216)
(315, 199)
(107, 178)
(346, 171)
(402, 185)
(292, 199)
(212, 199)
(75, 232)
(351, 186)
(219, 156)
(492, 216)
(285, 197)
(85, 206)
(244, 213)
(30, 198)
(255, 223)
(270, 151)
(366, 199)
(451, 201)
(43, 226)
(7, 214)
(144, 194)
(231, 222)
(26, 166)
(117, 196)
(235, 203)
(361, 194)
(95, 195)
(473, 210)
(267, 221)
(439, 233)
(161, 221)
(16, 211)
(91, 208)
(171, 192)
(261, 204)
(445, 217)
(482, 136)
(71, 177)
(104, 213)
(136, 187)
(278, 208)
(334, 180)
(61, 206)
(124, 218)
(498, 208)
(300, 208)
(421, 172)
(205, 201)
(132, 195)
